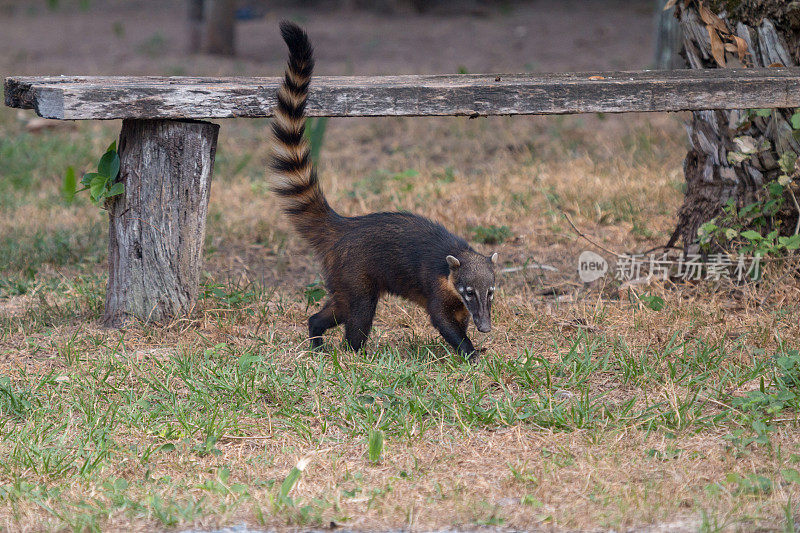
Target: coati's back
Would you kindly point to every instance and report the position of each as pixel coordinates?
(399, 253)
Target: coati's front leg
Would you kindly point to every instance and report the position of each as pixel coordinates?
(451, 320)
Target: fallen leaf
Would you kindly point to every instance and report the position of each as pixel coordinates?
(777, 65)
(597, 77)
(741, 47)
(717, 48)
(711, 19)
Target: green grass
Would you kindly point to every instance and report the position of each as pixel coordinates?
(35, 161)
(21, 251)
(37, 226)
(68, 430)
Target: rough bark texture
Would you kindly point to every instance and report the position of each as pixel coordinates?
(710, 178)
(157, 227)
(109, 97)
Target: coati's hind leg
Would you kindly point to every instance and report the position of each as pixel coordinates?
(452, 321)
(359, 321)
(320, 322)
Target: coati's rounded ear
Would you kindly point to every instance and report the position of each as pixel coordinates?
(453, 262)
(494, 258)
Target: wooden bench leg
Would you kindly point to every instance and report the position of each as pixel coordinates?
(157, 227)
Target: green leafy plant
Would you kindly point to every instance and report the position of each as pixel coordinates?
(523, 474)
(789, 525)
(448, 175)
(232, 297)
(758, 408)
(752, 484)
(290, 481)
(788, 366)
(101, 184)
(791, 475)
(756, 227)
(753, 228)
(13, 402)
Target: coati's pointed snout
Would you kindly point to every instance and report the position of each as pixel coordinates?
(483, 319)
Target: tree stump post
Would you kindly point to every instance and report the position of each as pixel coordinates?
(157, 227)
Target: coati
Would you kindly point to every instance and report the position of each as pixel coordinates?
(366, 256)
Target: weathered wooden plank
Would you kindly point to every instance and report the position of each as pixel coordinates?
(76, 98)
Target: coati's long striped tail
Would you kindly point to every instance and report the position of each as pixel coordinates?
(293, 176)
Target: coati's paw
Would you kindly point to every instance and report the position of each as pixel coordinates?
(475, 356)
(316, 343)
(352, 346)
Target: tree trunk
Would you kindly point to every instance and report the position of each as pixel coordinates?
(669, 39)
(157, 227)
(758, 33)
(221, 27)
(195, 20)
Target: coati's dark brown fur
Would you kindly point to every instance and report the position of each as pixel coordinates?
(366, 256)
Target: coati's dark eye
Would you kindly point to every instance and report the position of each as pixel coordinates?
(470, 292)
(491, 293)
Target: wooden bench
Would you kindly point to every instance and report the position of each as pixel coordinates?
(157, 227)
